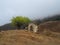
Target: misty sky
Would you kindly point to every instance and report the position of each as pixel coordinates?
(31, 8)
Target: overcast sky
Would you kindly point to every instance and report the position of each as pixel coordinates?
(31, 8)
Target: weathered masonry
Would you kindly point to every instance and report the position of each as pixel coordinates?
(33, 27)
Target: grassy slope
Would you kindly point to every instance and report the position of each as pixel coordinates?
(21, 37)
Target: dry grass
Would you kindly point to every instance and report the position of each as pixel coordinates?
(21, 37)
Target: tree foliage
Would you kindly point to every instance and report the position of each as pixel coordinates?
(18, 21)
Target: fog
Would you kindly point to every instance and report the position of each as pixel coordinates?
(33, 9)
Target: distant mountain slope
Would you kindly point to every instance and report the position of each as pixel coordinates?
(52, 18)
(7, 27)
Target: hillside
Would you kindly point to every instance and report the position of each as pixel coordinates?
(52, 18)
(53, 26)
(7, 27)
(21, 37)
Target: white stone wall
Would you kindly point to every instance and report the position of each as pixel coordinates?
(35, 27)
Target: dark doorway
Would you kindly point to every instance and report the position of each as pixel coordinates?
(31, 28)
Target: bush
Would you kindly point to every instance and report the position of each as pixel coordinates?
(18, 21)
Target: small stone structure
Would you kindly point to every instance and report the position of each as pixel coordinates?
(33, 27)
(45, 27)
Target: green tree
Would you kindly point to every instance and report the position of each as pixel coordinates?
(18, 21)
